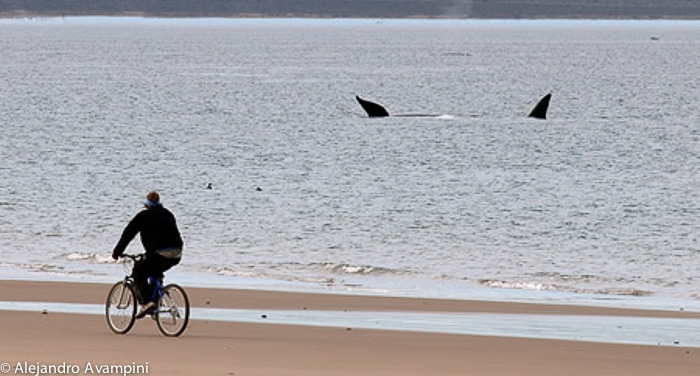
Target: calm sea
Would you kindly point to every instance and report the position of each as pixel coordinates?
(600, 202)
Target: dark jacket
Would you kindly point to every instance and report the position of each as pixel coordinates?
(158, 231)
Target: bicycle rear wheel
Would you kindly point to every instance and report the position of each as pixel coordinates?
(120, 308)
(173, 311)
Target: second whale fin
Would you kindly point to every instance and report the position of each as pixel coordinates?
(540, 109)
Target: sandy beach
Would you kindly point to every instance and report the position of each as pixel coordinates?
(84, 343)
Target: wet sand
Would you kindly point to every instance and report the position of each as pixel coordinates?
(223, 348)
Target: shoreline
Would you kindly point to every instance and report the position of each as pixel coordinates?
(250, 298)
(434, 291)
(213, 347)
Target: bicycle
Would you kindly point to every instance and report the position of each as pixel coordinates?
(172, 311)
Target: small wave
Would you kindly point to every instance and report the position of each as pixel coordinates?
(42, 267)
(552, 287)
(34, 267)
(358, 269)
(92, 258)
(231, 272)
(518, 285)
(50, 269)
(624, 291)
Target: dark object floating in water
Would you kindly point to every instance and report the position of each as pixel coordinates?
(540, 109)
(377, 110)
(456, 54)
(372, 109)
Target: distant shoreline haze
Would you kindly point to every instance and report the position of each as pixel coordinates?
(636, 9)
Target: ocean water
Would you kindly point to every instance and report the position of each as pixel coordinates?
(599, 202)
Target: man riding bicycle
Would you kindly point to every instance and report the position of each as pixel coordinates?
(162, 242)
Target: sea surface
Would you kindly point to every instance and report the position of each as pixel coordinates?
(598, 203)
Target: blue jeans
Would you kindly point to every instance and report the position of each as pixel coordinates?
(152, 266)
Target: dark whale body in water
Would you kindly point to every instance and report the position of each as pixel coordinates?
(540, 109)
(377, 110)
(372, 109)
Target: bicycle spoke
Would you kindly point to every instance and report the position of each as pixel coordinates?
(120, 308)
(173, 311)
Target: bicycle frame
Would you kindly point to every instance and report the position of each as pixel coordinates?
(121, 301)
(158, 292)
(157, 283)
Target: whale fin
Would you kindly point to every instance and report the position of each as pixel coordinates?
(540, 109)
(372, 109)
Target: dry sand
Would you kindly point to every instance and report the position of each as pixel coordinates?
(219, 348)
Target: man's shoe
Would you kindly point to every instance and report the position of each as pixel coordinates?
(146, 309)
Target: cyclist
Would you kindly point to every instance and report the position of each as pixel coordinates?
(162, 242)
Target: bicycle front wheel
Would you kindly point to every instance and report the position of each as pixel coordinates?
(173, 311)
(121, 307)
